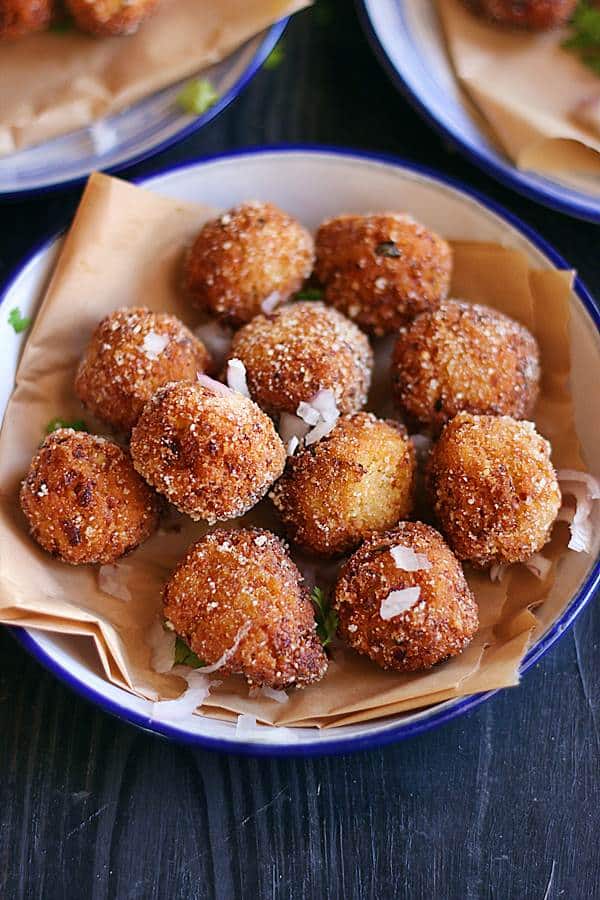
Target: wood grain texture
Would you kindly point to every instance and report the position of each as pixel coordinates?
(500, 804)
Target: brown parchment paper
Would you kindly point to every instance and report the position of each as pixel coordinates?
(53, 83)
(527, 88)
(125, 247)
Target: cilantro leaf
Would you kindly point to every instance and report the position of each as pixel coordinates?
(186, 657)
(585, 36)
(326, 616)
(55, 424)
(275, 57)
(197, 96)
(19, 323)
(310, 294)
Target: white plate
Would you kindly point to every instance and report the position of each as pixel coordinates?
(140, 131)
(408, 40)
(313, 184)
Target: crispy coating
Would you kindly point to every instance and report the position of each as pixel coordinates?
(532, 14)
(240, 591)
(249, 255)
(464, 356)
(356, 480)
(493, 488)
(104, 18)
(84, 501)
(439, 624)
(296, 351)
(382, 270)
(131, 354)
(21, 17)
(213, 455)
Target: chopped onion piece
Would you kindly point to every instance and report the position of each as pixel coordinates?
(111, 580)
(325, 403)
(538, 565)
(575, 475)
(292, 445)
(497, 571)
(154, 344)
(236, 377)
(398, 602)
(206, 670)
(319, 431)
(584, 488)
(270, 302)
(187, 703)
(405, 558)
(308, 413)
(162, 647)
(215, 386)
(217, 340)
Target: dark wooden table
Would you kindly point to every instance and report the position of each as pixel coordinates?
(502, 803)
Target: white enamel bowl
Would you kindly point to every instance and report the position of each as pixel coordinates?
(313, 184)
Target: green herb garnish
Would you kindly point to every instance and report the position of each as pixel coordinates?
(275, 57)
(55, 424)
(310, 294)
(388, 248)
(585, 37)
(197, 96)
(19, 323)
(326, 616)
(186, 657)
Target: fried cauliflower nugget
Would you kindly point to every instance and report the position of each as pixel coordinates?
(237, 598)
(213, 455)
(251, 255)
(464, 356)
(21, 17)
(356, 480)
(382, 270)
(493, 488)
(403, 600)
(533, 14)
(299, 350)
(105, 18)
(131, 354)
(84, 501)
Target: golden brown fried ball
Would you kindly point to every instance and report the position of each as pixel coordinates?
(84, 501)
(131, 354)
(382, 270)
(493, 488)
(251, 255)
(356, 480)
(415, 630)
(110, 17)
(21, 17)
(299, 350)
(533, 14)
(463, 356)
(213, 455)
(237, 597)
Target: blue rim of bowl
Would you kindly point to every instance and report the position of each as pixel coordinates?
(450, 709)
(269, 41)
(575, 204)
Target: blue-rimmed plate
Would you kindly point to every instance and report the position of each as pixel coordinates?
(408, 40)
(314, 183)
(140, 131)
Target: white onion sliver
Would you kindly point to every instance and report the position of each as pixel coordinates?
(575, 475)
(325, 403)
(319, 431)
(243, 631)
(270, 302)
(236, 377)
(111, 580)
(216, 339)
(497, 571)
(215, 386)
(308, 413)
(538, 565)
(162, 647)
(187, 703)
(405, 558)
(154, 344)
(584, 488)
(398, 602)
(292, 445)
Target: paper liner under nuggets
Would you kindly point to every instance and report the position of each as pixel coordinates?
(125, 248)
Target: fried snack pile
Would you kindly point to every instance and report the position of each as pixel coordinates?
(286, 424)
